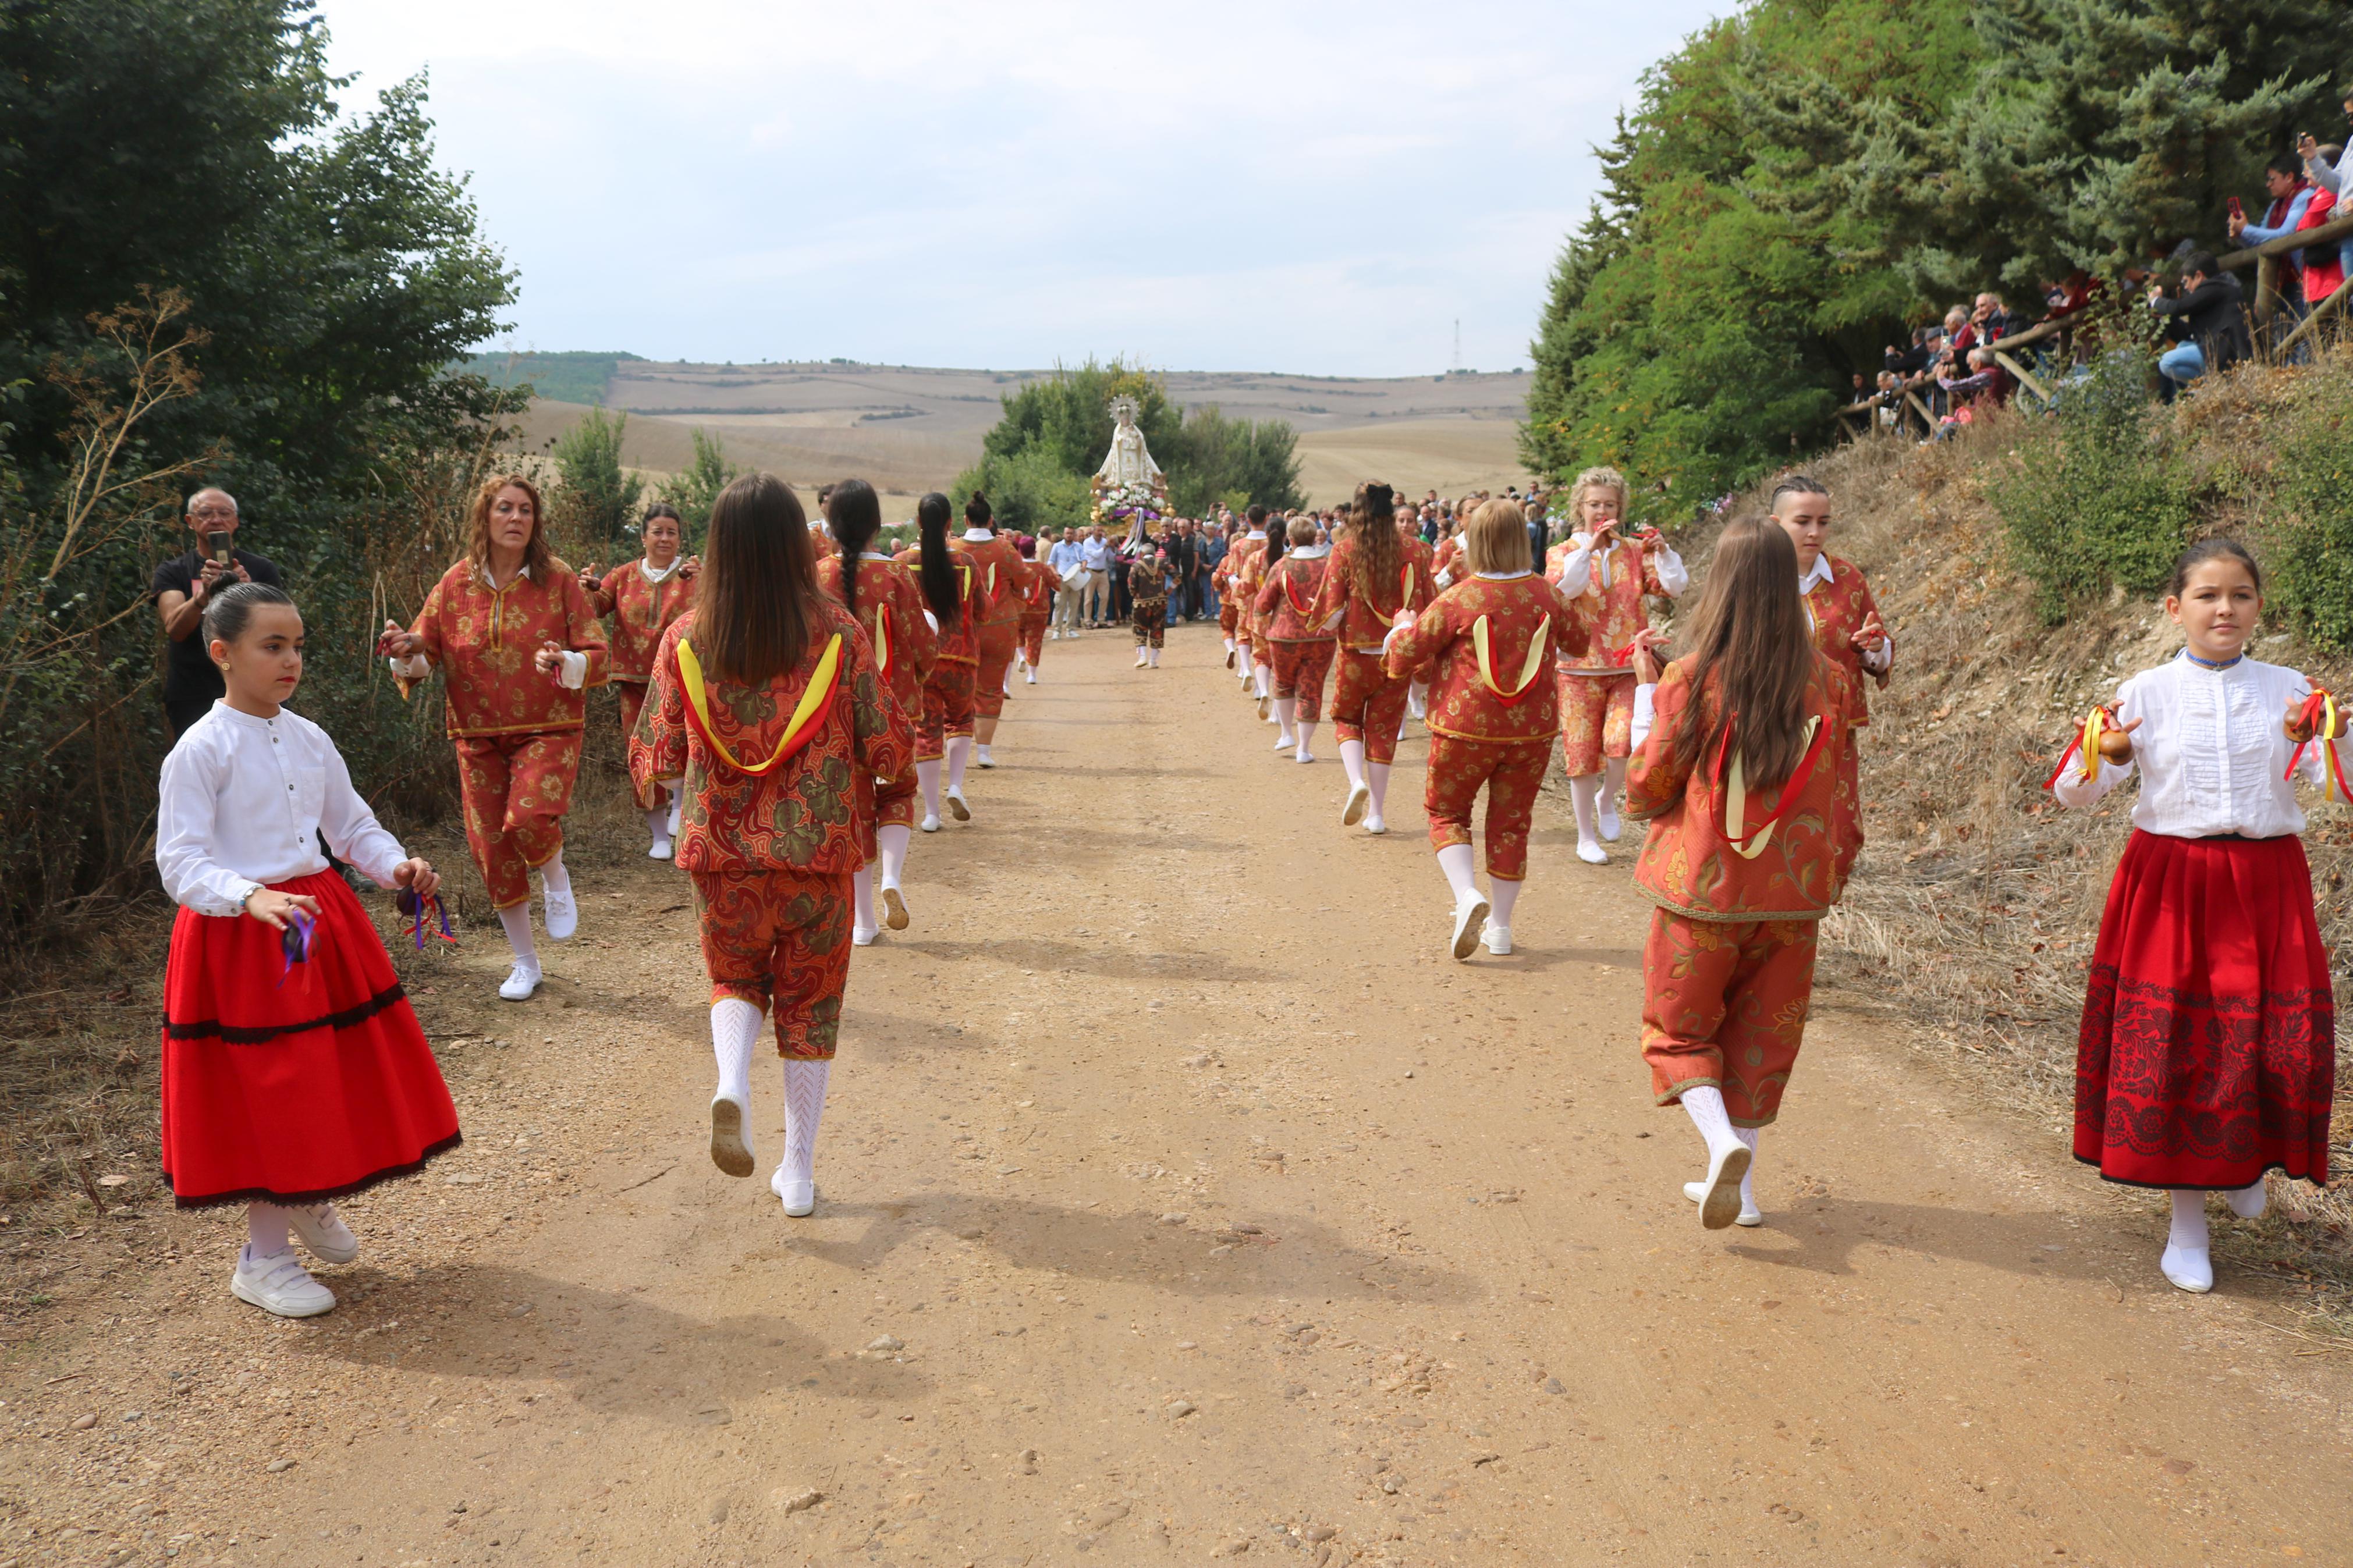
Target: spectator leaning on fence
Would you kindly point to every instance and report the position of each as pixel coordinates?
(2207, 320)
(2324, 167)
(2324, 270)
(183, 586)
(2291, 194)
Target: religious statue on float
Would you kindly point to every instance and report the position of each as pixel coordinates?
(1129, 485)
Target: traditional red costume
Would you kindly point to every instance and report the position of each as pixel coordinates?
(1302, 649)
(641, 609)
(1741, 879)
(773, 829)
(1596, 687)
(1367, 702)
(1493, 713)
(890, 612)
(1001, 576)
(1037, 609)
(947, 707)
(517, 731)
(1837, 609)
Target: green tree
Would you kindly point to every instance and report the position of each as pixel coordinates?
(601, 495)
(694, 488)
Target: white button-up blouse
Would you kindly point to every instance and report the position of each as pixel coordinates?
(243, 801)
(2212, 750)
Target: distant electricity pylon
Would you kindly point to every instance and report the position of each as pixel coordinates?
(1458, 342)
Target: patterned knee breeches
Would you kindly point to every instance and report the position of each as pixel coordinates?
(1299, 670)
(1511, 771)
(1597, 720)
(1725, 1003)
(1367, 705)
(1151, 622)
(780, 939)
(515, 790)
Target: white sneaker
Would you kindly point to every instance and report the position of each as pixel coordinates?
(1592, 854)
(322, 1230)
(2250, 1202)
(1375, 826)
(981, 754)
(279, 1284)
(1719, 1195)
(1470, 912)
(1697, 1191)
(800, 1197)
(1033, 674)
(661, 850)
(562, 912)
(1608, 820)
(1360, 800)
(958, 807)
(1286, 741)
(2192, 1269)
(1139, 658)
(1265, 706)
(894, 908)
(520, 982)
(863, 936)
(930, 824)
(731, 1147)
(1497, 938)
(1302, 755)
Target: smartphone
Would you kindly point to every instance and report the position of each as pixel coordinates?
(216, 546)
(2237, 211)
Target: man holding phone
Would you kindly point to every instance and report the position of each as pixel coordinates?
(183, 587)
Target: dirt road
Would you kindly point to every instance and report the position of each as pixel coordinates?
(1177, 1199)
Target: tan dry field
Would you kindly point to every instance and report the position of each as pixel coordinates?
(912, 429)
(1179, 1200)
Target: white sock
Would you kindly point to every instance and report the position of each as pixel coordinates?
(1258, 679)
(1704, 1104)
(891, 839)
(1502, 894)
(1585, 796)
(1613, 772)
(734, 1030)
(1249, 670)
(657, 824)
(266, 1230)
(1229, 644)
(2250, 1202)
(861, 898)
(1376, 778)
(1747, 1194)
(677, 803)
(927, 779)
(2189, 1231)
(1284, 707)
(1306, 733)
(804, 1107)
(1352, 761)
(1155, 659)
(555, 879)
(959, 753)
(1456, 862)
(516, 919)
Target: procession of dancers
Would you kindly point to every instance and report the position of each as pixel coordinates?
(791, 696)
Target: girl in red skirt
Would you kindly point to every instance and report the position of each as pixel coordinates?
(2207, 1055)
(1302, 651)
(766, 704)
(294, 1071)
(1750, 841)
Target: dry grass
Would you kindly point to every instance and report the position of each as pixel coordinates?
(1971, 919)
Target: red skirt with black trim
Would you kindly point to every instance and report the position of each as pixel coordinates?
(2208, 1052)
(297, 1092)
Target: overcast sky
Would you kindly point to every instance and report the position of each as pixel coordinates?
(1318, 189)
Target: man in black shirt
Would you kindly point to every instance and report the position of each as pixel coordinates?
(182, 588)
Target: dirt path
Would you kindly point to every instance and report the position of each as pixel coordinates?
(1166, 1214)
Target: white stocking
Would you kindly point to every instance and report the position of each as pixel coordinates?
(677, 803)
(1352, 759)
(959, 753)
(1613, 771)
(927, 778)
(266, 1230)
(516, 919)
(1704, 1104)
(861, 898)
(804, 1106)
(1155, 659)
(891, 839)
(1306, 733)
(1284, 707)
(1747, 1193)
(1258, 679)
(2189, 1222)
(1584, 794)
(1502, 894)
(657, 824)
(1456, 862)
(734, 1030)
(1377, 777)
(553, 876)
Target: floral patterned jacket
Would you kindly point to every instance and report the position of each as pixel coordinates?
(641, 612)
(484, 639)
(1495, 686)
(1365, 622)
(959, 644)
(812, 812)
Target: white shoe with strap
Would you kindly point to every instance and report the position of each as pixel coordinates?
(279, 1285)
(322, 1230)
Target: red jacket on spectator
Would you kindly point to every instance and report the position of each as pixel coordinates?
(2324, 268)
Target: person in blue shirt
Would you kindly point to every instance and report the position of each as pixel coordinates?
(2291, 193)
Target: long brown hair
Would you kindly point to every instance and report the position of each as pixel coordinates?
(854, 512)
(760, 599)
(536, 556)
(1372, 533)
(1749, 633)
(936, 567)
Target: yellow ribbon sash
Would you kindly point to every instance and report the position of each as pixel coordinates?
(1529, 667)
(811, 709)
(1736, 797)
(882, 640)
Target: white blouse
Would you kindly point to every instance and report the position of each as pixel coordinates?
(1579, 568)
(243, 803)
(2211, 751)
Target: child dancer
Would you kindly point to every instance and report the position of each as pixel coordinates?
(1261, 562)
(1840, 610)
(294, 1070)
(882, 594)
(1000, 574)
(519, 642)
(1604, 577)
(1037, 608)
(1422, 562)
(951, 590)
(643, 601)
(1491, 714)
(2207, 1055)
(767, 702)
(1750, 840)
(1302, 648)
(1147, 598)
(1368, 583)
(1239, 593)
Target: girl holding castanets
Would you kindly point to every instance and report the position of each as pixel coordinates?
(2207, 1055)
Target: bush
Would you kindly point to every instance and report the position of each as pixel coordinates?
(2096, 497)
(694, 487)
(1028, 492)
(598, 494)
(2311, 513)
